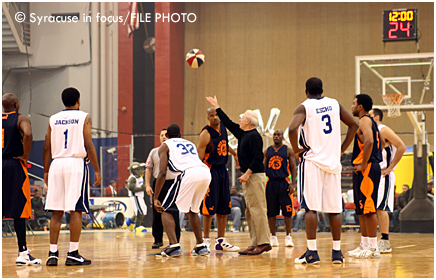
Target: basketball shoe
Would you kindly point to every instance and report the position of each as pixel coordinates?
(357, 250)
(273, 240)
(206, 241)
(221, 244)
(52, 258)
(172, 251)
(140, 229)
(288, 241)
(200, 250)
(130, 224)
(24, 258)
(337, 256)
(309, 257)
(384, 246)
(73, 258)
(368, 253)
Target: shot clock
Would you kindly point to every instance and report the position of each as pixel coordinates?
(399, 25)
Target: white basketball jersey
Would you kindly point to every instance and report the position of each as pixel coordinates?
(182, 155)
(139, 183)
(67, 134)
(321, 133)
(388, 153)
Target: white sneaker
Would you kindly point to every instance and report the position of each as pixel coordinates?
(274, 241)
(368, 253)
(357, 250)
(232, 229)
(288, 241)
(384, 246)
(221, 244)
(24, 258)
(207, 242)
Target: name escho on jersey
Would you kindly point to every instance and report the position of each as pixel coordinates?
(323, 109)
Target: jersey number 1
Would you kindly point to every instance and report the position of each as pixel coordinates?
(66, 137)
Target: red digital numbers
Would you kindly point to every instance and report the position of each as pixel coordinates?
(393, 30)
(407, 29)
(402, 28)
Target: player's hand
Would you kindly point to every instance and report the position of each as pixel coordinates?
(149, 190)
(292, 187)
(237, 166)
(359, 167)
(158, 206)
(298, 154)
(244, 178)
(386, 171)
(97, 179)
(213, 101)
(23, 160)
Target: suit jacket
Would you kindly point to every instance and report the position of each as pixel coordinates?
(108, 191)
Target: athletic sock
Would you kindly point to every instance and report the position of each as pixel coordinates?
(385, 236)
(337, 245)
(74, 246)
(53, 248)
(174, 245)
(364, 240)
(311, 244)
(372, 242)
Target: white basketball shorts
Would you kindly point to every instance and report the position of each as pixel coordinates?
(139, 206)
(318, 190)
(68, 188)
(386, 193)
(188, 190)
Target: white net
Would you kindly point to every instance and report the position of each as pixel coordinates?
(393, 102)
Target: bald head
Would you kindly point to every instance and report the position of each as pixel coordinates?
(212, 117)
(278, 137)
(211, 110)
(10, 103)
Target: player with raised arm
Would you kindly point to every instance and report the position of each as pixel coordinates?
(213, 149)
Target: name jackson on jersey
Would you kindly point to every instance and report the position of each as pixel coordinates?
(65, 122)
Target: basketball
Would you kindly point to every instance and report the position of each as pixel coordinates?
(195, 58)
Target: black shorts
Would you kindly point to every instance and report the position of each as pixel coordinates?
(278, 196)
(365, 189)
(217, 199)
(15, 190)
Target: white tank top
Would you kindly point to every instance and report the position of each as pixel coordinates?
(139, 183)
(182, 155)
(321, 132)
(388, 153)
(67, 134)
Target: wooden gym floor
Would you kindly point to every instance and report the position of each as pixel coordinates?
(120, 253)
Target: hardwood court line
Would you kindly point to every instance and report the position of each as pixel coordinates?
(406, 246)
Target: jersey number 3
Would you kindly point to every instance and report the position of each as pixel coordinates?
(329, 129)
(185, 149)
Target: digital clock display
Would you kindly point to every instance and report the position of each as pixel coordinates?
(399, 25)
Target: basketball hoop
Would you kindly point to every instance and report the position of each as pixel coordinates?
(393, 102)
